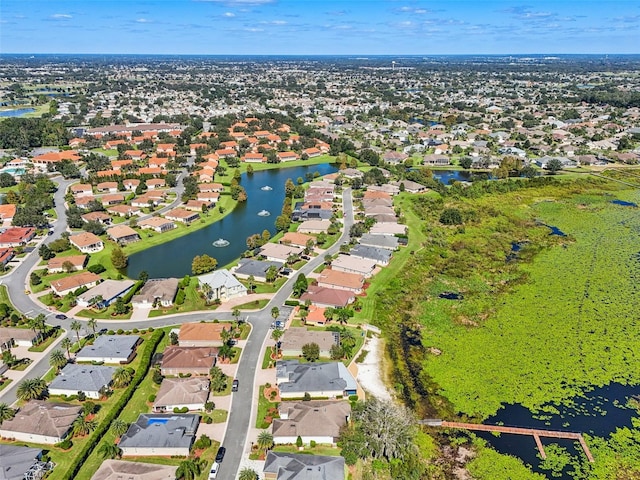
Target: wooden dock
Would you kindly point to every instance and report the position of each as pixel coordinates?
(535, 433)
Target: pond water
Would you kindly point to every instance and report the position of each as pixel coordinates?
(18, 112)
(451, 296)
(173, 259)
(556, 231)
(446, 176)
(598, 413)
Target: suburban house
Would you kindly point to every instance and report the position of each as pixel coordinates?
(370, 211)
(349, 264)
(390, 229)
(295, 338)
(380, 241)
(16, 236)
(18, 337)
(381, 256)
(105, 293)
(287, 156)
(317, 420)
(178, 360)
(202, 334)
(221, 285)
(248, 267)
(192, 393)
(124, 210)
(331, 278)
(155, 183)
(110, 349)
(39, 421)
(16, 461)
(156, 291)
(182, 215)
(314, 226)
(86, 242)
(7, 212)
(410, 186)
(158, 434)
(70, 263)
(297, 239)
(296, 466)
(330, 379)
(81, 189)
(111, 199)
(89, 379)
(157, 224)
(69, 284)
(107, 187)
(121, 469)
(208, 197)
(6, 255)
(131, 184)
(328, 297)
(99, 217)
(316, 315)
(123, 234)
(276, 252)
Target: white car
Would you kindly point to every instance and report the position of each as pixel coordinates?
(214, 471)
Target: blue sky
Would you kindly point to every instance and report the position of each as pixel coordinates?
(307, 27)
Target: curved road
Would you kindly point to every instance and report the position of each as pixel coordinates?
(242, 401)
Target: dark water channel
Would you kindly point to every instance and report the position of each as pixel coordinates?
(598, 413)
(173, 259)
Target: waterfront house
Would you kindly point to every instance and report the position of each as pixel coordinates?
(123, 234)
(221, 285)
(86, 242)
(318, 421)
(324, 379)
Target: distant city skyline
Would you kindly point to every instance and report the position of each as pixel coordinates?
(310, 27)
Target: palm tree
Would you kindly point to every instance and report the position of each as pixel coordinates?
(236, 313)
(122, 377)
(119, 427)
(82, 426)
(32, 389)
(189, 469)
(265, 440)
(276, 334)
(252, 283)
(275, 312)
(93, 325)
(248, 474)
(6, 412)
(57, 360)
(67, 344)
(225, 335)
(76, 326)
(304, 313)
(343, 315)
(39, 322)
(110, 450)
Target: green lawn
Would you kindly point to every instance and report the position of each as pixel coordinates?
(297, 163)
(44, 345)
(4, 296)
(327, 450)
(254, 305)
(108, 153)
(219, 416)
(263, 407)
(193, 302)
(267, 357)
(5, 384)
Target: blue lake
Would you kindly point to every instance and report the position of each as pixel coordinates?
(173, 259)
(17, 112)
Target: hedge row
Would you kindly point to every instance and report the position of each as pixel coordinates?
(129, 295)
(145, 363)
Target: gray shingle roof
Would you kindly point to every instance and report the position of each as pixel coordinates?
(16, 460)
(312, 377)
(381, 255)
(294, 466)
(161, 431)
(256, 268)
(382, 241)
(83, 378)
(109, 346)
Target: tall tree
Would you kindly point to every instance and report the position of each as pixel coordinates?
(110, 450)
(265, 440)
(189, 469)
(6, 412)
(67, 344)
(76, 326)
(119, 259)
(32, 389)
(57, 360)
(92, 323)
(122, 377)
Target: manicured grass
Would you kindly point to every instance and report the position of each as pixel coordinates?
(260, 287)
(297, 163)
(263, 407)
(267, 357)
(254, 305)
(108, 153)
(219, 416)
(4, 296)
(193, 302)
(106, 314)
(5, 384)
(44, 345)
(327, 450)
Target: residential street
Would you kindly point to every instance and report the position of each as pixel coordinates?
(243, 401)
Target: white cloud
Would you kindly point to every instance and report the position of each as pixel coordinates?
(238, 2)
(61, 16)
(229, 14)
(144, 20)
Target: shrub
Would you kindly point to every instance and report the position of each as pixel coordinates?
(82, 396)
(209, 406)
(180, 297)
(111, 332)
(120, 331)
(202, 443)
(135, 330)
(299, 441)
(65, 444)
(312, 443)
(209, 420)
(97, 269)
(292, 303)
(152, 398)
(353, 398)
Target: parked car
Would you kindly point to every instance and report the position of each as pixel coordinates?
(220, 454)
(279, 324)
(213, 473)
(305, 257)
(235, 385)
(61, 316)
